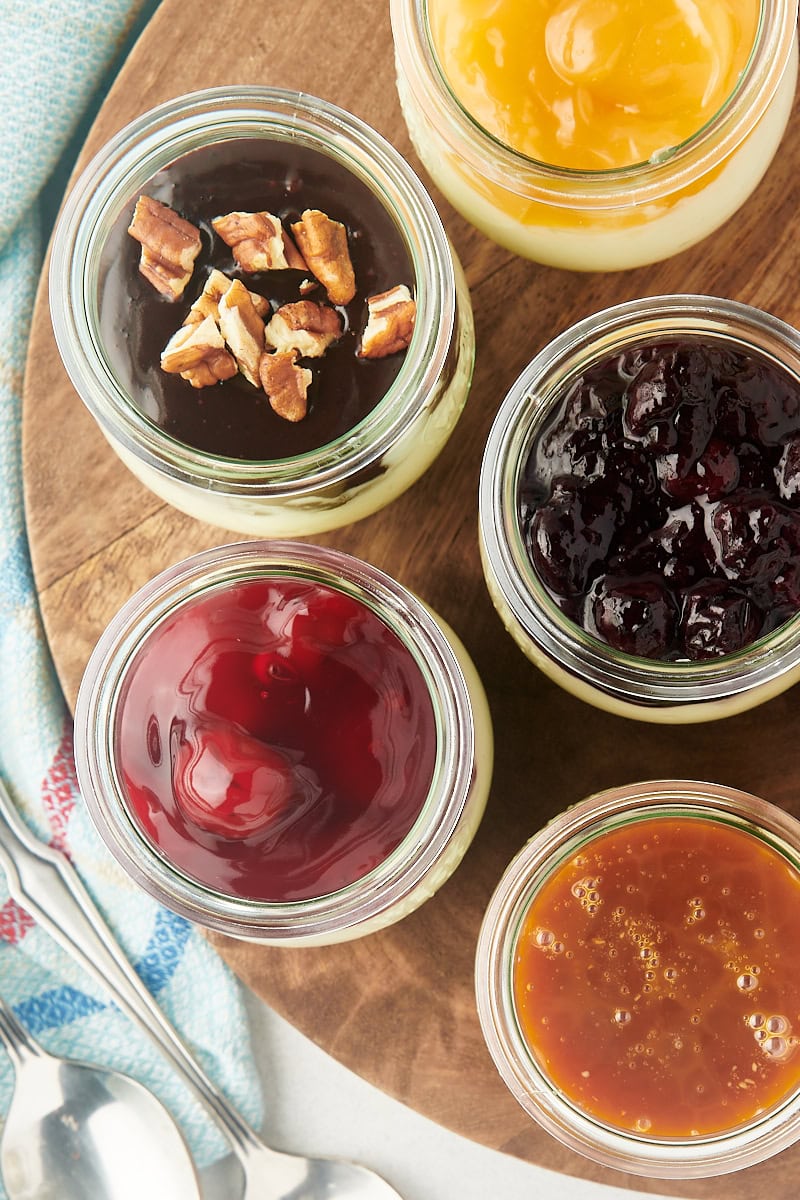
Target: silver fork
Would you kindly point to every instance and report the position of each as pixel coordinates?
(44, 882)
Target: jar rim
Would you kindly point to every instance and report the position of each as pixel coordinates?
(578, 825)
(676, 168)
(402, 612)
(159, 136)
(647, 682)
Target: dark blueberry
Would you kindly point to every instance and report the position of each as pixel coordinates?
(756, 470)
(636, 616)
(717, 620)
(580, 442)
(683, 551)
(569, 537)
(787, 472)
(754, 536)
(713, 474)
(771, 399)
(732, 423)
(651, 401)
(785, 594)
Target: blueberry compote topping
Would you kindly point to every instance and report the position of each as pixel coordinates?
(660, 505)
(233, 419)
(276, 740)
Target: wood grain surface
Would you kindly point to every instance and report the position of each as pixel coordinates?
(397, 1007)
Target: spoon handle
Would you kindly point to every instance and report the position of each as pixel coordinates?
(44, 882)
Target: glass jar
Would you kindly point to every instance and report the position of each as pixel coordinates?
(646, 689)
(444, 819)
(338, 482)
(598, 220)
(559, 851)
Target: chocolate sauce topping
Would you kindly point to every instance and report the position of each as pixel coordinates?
(234, 419)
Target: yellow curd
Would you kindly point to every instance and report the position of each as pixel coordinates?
(593, 84)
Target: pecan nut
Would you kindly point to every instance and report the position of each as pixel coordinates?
(305, 326)
(198, 354)
(286, 384)
(207, 303)
(259, 242)
(323, 244)
(169, 246)
(242, 328)
(390, 323)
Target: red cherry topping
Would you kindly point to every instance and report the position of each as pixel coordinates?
(231, 784)
(262, 743)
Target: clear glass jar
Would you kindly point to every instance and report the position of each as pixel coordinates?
(562, 841)
(449, 814)
(355, 474)
(649, 690)
(598, 220)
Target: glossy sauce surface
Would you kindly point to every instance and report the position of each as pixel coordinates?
(657, 977)
(234, 419)
(593, 84)
(660, 505)
(276, 739)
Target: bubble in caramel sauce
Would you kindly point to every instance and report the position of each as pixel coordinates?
(587, 892)
(544, 937)
(747, 982)
(622, 1016)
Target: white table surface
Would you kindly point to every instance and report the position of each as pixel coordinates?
(314, 1105)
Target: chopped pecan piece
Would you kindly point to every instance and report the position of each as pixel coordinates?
(286, 384)
(242, 328)
(323, 244)
(198, 353)
(207, 303)
(390, 323)
(259, 242)
(304, 326)
(169, 246)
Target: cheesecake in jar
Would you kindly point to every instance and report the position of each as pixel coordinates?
(640, 509)
(256, 300)
(637, 983)
(596, 137)
(280, 742)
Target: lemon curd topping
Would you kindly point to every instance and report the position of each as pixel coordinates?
(593, 84)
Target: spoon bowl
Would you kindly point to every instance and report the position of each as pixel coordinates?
(45, 883)
(75, 1131)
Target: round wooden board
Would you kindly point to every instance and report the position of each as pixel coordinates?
(398, 1007)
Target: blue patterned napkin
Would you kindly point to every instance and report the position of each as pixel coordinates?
(55, 59)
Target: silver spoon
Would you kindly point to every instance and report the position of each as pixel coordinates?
(75, 1131)
(44, 882)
